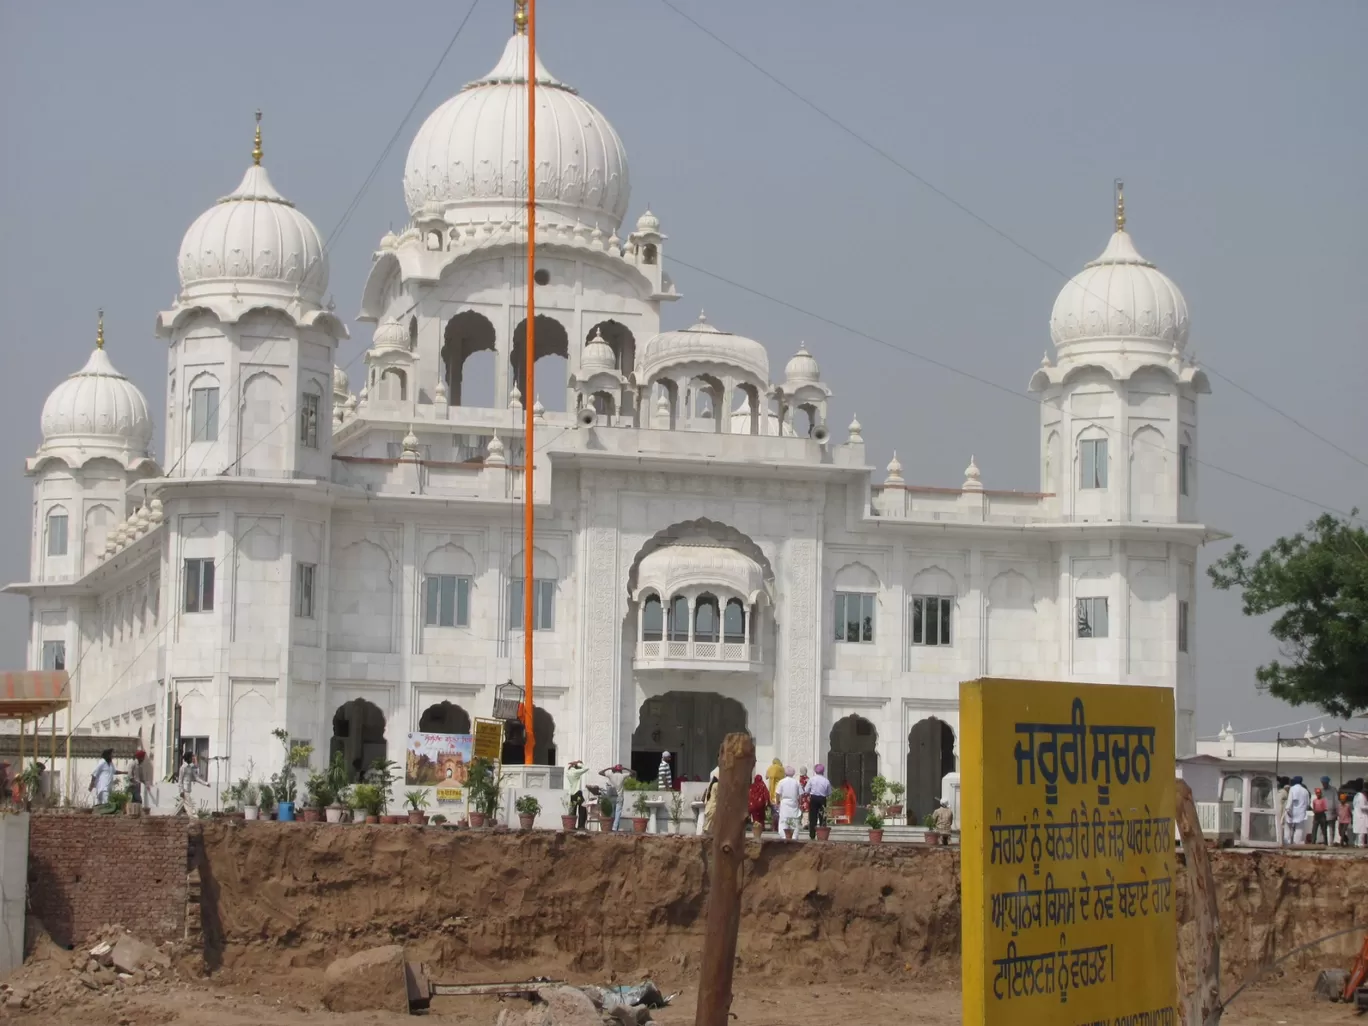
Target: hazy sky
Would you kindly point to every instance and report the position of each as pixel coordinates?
(1238, 128)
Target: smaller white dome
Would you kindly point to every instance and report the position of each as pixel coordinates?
(802, 369)
(254, 235)
(391, 335)
(705, 344)
(340, 382)
(648, 223)
(1120, 295)
(597, 357)
(97, 407)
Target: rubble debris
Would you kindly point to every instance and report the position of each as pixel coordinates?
(645, 993)
(563, 1006)
(131, 955)
(370, 980)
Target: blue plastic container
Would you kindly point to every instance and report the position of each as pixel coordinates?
(285, 812)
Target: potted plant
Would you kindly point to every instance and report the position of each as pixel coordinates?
(676, 811)
(605, 812)
(417, 802)
(437, 820)
(895, 795)
(285, 785)
(482, 789)
(266, 800)
(933, 836)
(369, 801)
(381, 775)
(834, 801)
(249, 798)
(875, 823)
(878, 792)
(789, 826)
(339, 785)
(318, 796)
(641, 813)
(528, 809)
(568, 823)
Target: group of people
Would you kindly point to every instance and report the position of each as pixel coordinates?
(790, 797)
(139, 775)
(1333, 817)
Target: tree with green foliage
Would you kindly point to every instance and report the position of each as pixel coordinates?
(1317, 583)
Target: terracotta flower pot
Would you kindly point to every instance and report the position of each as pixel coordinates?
(391, 820)
(416, 817)
(525, 821)
(824, 833)
(568, 824)
(895, 810)
(788, 833)
(372, 819)
(875, 836)
(313, 816)
(477, 819)
(639, 824)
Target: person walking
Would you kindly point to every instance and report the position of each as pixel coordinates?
(1361, 819)
(757, 805)
(1331, 808)
(574, 784)
(773, 775)
(705, 822)
(616, 776)
(1344, 814)
(664, 777)
(1320, 825)
(788, 792)
(103, 778)
(186, 780)
(817, 790)
(1298, 809)
(140, 778)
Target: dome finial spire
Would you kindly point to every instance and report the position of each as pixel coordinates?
(256, 145)
(99, 330)
(520, 17)
(1120, 205)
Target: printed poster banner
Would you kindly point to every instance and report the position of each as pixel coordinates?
(1068, 864)
(441, 761)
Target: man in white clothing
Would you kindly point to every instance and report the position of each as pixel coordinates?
(1298, 809)
(787, 792)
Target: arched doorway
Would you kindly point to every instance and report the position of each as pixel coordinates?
(359, 734)
(690, 725)
(515, 740)
(551, 342)
(930, 756)
(468, 376)
(853, 757)
(444, 718)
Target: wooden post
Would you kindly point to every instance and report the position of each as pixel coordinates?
(1204, 1004)
(735, 764)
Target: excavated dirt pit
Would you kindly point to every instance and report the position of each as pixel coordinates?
(864, 932)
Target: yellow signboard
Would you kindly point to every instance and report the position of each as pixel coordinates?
(1067, 866)
(489, 738)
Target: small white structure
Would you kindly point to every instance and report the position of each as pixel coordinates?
(349, 567)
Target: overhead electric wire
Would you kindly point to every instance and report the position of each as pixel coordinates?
(963, 208)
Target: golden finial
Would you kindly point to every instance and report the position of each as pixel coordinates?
(520, 16)
(99, 332)
(256, 149)
(1120, 205)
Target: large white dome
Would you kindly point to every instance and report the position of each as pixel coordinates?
(1120, 295)
(254, 240)
(705, 344)
(468, 161)
(97, 407)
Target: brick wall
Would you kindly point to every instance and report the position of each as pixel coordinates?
(87, 871)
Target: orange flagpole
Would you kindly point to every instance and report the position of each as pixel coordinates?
(530, 393)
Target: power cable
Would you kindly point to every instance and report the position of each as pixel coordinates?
(883, 153)
(979, 378)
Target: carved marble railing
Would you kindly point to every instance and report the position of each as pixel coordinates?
(666, 651)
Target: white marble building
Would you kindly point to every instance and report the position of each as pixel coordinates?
(342, 556)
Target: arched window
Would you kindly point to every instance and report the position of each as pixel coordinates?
(734, 622)
(706, 618)
(652, 618)
(393, 384)
(413, 333)
(679, 618)
(57, 531)
(649, 253)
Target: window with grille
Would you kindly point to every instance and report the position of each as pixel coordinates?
(854, 616)
(57, 534)
(54, 655)
(931, 619)
(1182, 625)
(543, 604)
(304, 590)
(1092, 462)
(204, 406)
(446, 601)
(308, 421)
(1092, 617)
(199, 585)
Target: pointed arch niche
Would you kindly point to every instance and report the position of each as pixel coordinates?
(468, 335)
(552, 362)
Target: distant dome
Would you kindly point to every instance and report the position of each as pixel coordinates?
(597, 357)
(254, 239)
(648, 223)
(740, 423)
(97, 407)
(340, 383)
(1120, 295)
(705, 344)
(467, 160)
(391, 334)
(671, 569)
(802, 369)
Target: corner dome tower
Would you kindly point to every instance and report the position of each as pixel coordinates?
(1120, 297)
(254, 241)
(97, 412)
(468, 161)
